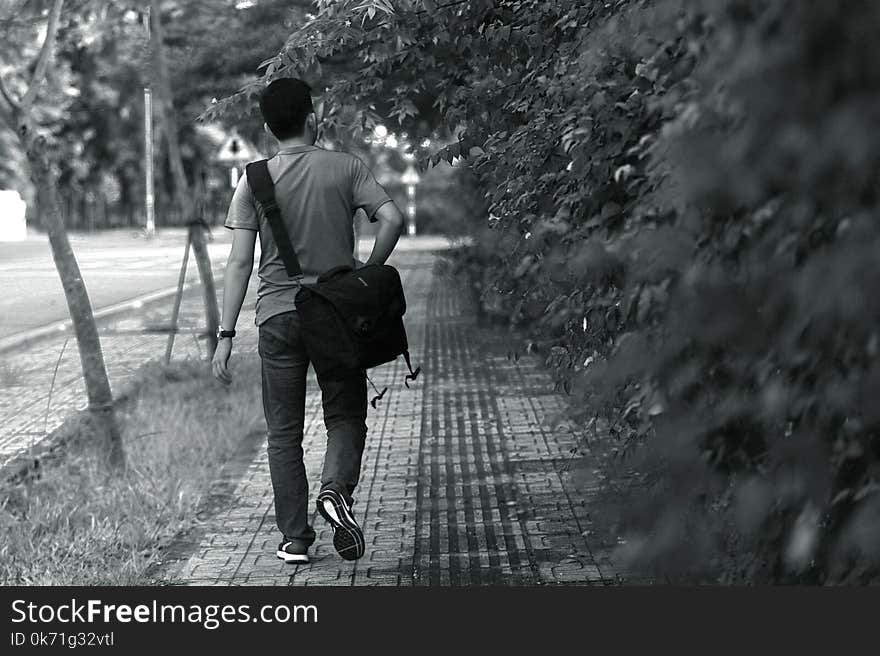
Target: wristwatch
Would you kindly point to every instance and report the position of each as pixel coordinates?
(225, 333)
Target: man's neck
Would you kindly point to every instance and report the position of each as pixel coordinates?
(294, 142)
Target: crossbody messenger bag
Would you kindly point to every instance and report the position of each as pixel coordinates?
(352, 319)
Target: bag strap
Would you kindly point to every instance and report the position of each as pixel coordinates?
(375, 400)
(263, 190)
(412, 375)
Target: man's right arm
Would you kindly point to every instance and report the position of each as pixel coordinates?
(370, 196)
(390, 226)
(242, 220)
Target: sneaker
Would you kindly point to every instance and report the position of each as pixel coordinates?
(348, 538)
(292, 552)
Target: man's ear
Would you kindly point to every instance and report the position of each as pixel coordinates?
(312, 124)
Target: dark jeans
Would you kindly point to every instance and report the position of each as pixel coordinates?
(285, 364)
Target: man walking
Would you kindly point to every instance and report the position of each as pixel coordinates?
(318, 192)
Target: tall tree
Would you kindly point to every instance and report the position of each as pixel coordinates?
(183, 193)
(19, 114)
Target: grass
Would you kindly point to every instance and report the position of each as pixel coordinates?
(69, 523)
(10, 374)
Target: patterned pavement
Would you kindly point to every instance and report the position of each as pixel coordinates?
(465, 481)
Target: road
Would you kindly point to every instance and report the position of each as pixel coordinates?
(117, 266)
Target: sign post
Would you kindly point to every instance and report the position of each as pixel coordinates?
(410, 178)
(149, 181)
(235, 152)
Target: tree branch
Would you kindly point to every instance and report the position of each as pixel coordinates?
(13, 103)
(45, 55)
(441, 7)
(6, 119)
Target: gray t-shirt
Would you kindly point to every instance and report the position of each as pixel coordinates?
(318, 192)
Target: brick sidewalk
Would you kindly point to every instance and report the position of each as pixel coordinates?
(463, 483)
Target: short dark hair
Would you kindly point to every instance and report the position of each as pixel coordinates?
(285, 104)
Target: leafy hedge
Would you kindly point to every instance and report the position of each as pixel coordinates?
(683, 207)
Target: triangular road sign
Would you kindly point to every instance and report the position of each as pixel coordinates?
(235, 150)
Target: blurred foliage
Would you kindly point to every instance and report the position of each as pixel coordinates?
(21, 27)
(92, 108)
(446, 200)
(682, 201)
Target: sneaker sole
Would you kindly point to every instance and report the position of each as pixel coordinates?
(348, 538)
(292, 558)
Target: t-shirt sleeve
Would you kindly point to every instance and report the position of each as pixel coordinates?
(242, 212)
(367, 194)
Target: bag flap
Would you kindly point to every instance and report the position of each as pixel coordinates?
(366, 297)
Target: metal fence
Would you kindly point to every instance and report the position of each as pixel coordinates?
(87, 211)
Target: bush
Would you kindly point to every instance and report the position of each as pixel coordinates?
(695, 242)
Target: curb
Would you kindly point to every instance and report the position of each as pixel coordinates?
(34, 335)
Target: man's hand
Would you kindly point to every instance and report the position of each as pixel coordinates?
(220, 364)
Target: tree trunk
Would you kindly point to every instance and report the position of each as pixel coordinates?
(182, 191)
(102, 418)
